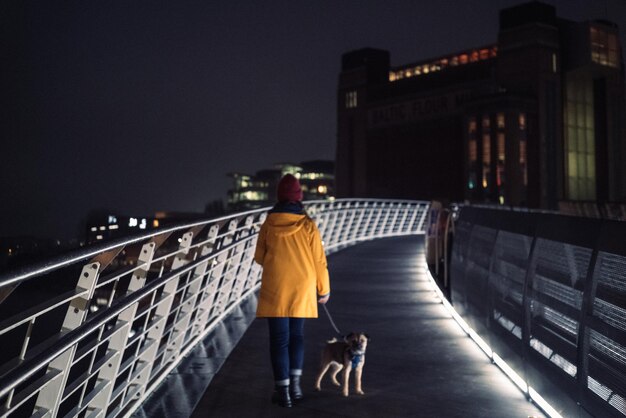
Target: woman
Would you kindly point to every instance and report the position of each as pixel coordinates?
(295, 276)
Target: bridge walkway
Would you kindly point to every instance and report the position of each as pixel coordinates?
(419, 362)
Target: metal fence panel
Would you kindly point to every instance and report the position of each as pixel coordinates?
(557, 302)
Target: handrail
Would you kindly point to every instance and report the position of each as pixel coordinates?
(147, 300)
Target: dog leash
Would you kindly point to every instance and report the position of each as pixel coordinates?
(330, 318)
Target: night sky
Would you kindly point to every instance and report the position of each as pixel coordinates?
(139, 106)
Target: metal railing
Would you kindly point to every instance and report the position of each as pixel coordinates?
(548, 293)
(92, 334)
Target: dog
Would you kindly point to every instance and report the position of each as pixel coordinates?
(347, 355)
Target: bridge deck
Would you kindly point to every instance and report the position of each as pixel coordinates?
(419, 363)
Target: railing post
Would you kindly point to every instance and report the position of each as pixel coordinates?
(117, 343)
(225, 266)
(586, 313)
(49, 397)
(207, 295)
(358, 227)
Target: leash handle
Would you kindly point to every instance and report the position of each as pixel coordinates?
(330, 318)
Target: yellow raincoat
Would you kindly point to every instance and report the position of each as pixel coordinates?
(290, 250)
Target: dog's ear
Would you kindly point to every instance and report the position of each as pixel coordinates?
(349, 336)
(367, 336)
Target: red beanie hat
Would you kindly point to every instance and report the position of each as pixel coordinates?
(289, 189)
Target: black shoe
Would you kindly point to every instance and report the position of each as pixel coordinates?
(281, 396)
(294, 388)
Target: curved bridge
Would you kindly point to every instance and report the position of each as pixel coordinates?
(140, 326)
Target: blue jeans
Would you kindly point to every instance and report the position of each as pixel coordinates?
(286, 347)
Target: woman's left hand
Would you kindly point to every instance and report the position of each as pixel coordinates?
(323, 299)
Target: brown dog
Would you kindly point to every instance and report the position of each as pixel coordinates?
(347, 355)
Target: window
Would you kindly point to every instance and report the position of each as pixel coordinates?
(501, 150)
(500, 120)
(522, 121)
(486, 159)
(522, 161)
(486, 122)
(604, 49)
(501, 159)
(351, 100)
(579, 139)
(471, 126)
(486, 149)
(473, 153)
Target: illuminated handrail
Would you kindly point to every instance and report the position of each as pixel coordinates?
(142, 303)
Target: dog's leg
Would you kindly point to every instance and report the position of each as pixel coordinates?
(357, 378)
(323, 370)
(346, 378)
(336, 369)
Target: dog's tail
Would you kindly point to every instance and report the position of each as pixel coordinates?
(334, 340)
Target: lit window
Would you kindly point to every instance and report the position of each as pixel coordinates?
(522, 121)
(392, 76)
(132, 222)
(554, 63)
(500, 120)
(604, 49)
(473, 154)
(322, 189)
(94, 229)
(579, 139)
(351, 100)
(142, 225)
(486, 122)
(114, 227)
(471, 128)
(99, 237)
(463, 58)
(486, 149)
(522, 161)
(501, 150)
(474, 56)
(484, 54)
(155, 223)
(486, 160)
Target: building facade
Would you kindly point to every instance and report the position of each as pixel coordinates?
(535, 119)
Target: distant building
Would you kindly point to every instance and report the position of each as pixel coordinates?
(106, 226)
(537, 119)
(259, 190)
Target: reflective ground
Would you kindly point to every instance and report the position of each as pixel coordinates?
(419, 363)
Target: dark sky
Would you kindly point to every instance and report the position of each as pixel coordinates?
(139, 106)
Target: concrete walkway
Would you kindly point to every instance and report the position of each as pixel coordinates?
(419, 363)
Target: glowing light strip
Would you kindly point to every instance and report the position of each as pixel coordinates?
(498, 361)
